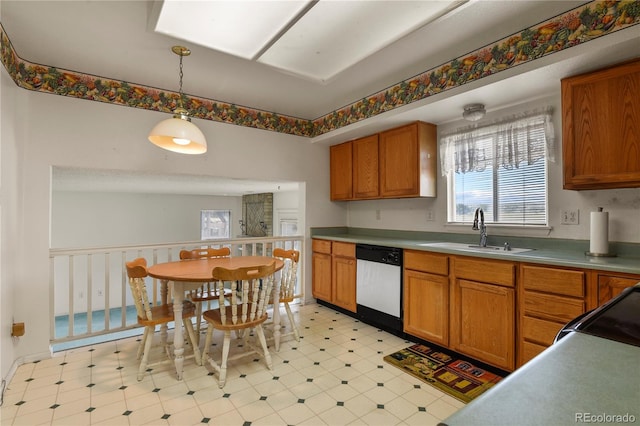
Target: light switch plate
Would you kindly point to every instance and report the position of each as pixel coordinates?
(570, 217)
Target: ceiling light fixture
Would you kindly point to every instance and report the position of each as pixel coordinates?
(473, 112)
(179, 134)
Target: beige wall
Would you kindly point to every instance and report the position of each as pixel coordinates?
(97, 219)
(52, 130)
(10, 241)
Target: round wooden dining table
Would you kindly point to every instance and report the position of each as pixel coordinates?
(189, 274)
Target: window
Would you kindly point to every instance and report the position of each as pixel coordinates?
(287, 220)
(215, 224)
(288, 227)
(501, 168)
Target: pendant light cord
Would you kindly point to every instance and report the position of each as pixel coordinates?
(181, 75)
(180, 111)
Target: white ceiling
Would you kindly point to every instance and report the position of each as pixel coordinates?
(309, 39)
(116, 39)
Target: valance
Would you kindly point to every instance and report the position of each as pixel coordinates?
(523, 138)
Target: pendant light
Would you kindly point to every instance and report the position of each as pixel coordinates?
(179, 134)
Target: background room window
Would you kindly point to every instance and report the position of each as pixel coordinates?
(215, 224)
(288, 227)
(501, 168)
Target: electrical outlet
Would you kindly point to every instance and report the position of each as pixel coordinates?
(570, 217)
(431, 216)
(99, 292)
(378, 214)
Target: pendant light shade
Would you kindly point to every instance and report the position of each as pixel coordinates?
(179, 134)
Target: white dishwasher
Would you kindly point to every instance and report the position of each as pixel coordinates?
(379, 287)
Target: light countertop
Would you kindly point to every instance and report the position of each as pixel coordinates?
(580, 379)
(546, 251)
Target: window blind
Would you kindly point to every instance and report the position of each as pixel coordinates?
(501, 168)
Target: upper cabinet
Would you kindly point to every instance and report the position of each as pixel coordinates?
(601, 128)
(341, 158)
(408, 161)
(397, 163)
(365, 167)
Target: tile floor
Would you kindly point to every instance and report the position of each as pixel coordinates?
(335, 375)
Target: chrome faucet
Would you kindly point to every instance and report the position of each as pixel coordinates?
(482, 228)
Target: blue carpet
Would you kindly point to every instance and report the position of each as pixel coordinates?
(97, 326)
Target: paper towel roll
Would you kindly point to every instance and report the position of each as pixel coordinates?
(599, 232)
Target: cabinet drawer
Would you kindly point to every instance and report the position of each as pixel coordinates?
(556, 308)
(321, 246)
(484, 270)
(530, 351)
(540, 331)
(344, 249)
(426, 262)
(550, 280)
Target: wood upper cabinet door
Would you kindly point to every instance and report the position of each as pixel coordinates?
(601, 128)
(341, 170)
(321, 282)
(343, 270)
(408, 161)
(482, 322)
(365, 167)
(426, 306)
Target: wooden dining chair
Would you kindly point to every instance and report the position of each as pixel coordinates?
(150, 316)
(251, 287)
(207, 292)
(287, 280)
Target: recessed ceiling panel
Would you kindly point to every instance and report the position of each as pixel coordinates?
(241, 28)
(334, 35)
(313, 39)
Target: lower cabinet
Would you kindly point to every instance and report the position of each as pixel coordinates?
(610, 285)
(549, 298)
(343, 276)
(483, 310)
(321, 270)
(334, 273)
(426, 296)
(482, 323)
(463, 303)
(468, 304)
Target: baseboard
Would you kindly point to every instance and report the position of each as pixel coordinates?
(24, 360)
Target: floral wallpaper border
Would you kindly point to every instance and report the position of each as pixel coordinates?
(579, 25)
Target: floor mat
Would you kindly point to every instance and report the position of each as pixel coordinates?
(442, 370)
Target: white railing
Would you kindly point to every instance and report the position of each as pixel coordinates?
(89, 293)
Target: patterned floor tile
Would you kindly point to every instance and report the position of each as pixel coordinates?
(334, 376)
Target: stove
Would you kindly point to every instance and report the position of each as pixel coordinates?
(618, 319)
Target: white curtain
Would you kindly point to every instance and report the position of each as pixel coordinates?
(523, 138)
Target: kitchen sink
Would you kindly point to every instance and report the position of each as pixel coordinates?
(476, 248)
